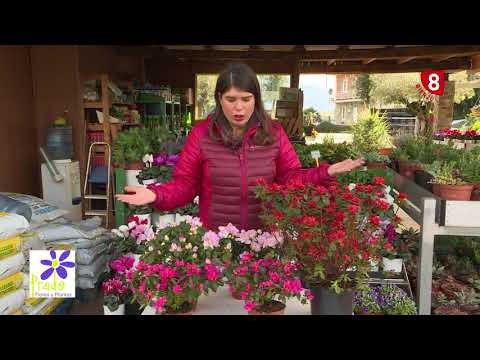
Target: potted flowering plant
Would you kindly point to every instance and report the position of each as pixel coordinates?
(265, 284)
(171, 289)
(119, 267)
(131, 238)
(391, 260)
(115, 292)
(189, 242)
(383, 300)
(375, 160)
(257, 242)
(333, 234)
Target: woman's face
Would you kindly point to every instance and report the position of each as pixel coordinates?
(238, 107)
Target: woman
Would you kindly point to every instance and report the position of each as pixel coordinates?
(225, 155)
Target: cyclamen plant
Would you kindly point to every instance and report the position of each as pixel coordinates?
(333, 233)
(265, 284)
(115, 293)
(131, 238)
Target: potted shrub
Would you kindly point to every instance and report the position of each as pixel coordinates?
(371, 132)
(366, 302)
(332, 233)
(471, 171)
(447, 182)
(266, 283)
(376, 161)
(114, 291)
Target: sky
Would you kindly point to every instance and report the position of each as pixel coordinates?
(315, 91)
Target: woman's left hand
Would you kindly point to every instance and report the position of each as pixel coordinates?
(345, 166)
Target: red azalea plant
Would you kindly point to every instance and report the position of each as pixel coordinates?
(265, 284)
(333, 233)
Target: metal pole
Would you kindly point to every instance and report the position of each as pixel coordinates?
(425, 257)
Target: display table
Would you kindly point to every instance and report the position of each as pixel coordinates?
(221, 303)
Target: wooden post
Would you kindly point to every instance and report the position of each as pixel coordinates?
(105, 108)
(295, 76)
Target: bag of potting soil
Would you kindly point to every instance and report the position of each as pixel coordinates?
(10, 247)
(12, 302)
(98, 266)
(12, 225)
(31, 304)
(41, 210)
(15, 207)
(84, 243)
(37, 310)
(11, 283)
(87, 256)
(11, 265)
(57, 232)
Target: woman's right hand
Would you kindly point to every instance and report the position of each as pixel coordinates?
(141, 196)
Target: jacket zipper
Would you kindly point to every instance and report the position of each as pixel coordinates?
(244, 187)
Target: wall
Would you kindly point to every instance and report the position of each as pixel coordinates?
(18, 142)
(56, 87)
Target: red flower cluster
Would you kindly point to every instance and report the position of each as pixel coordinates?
(326, 232)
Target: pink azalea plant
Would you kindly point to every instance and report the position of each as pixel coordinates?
(131, 238)
(265, 284)
(173, 288)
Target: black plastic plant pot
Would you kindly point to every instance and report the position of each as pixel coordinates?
(423, 178)
(327, 302)
(133, 309)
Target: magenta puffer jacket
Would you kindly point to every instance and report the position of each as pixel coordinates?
(225, 179)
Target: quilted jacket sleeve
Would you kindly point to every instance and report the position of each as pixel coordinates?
(289, 167)
(186, 177)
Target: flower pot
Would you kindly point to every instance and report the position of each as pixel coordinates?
(455, 192)
(408, 169)
(119, 311)
(274, 308)
(327, 302)
(394, 265)
(423, 178)
(179, 218)
(149, 182)
(376, 165)
(131, 177)
(373, 266)
(476, 193)
(133, 309)
(134, 165)
(164, 220)
(385, 151)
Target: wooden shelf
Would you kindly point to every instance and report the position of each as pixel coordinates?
(92, 105)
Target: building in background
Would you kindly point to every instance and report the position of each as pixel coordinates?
(347, 103)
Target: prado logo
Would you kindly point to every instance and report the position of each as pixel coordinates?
(52, 274)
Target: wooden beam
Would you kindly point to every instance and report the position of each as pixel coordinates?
(405, 60)
(331, 62)
(318, 55)
(368, 61)
(385, 67)
(443, 58)
(476, 63)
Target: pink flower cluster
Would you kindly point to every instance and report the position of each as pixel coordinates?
(210, 240)
(259, 240)
(114, 286)
(122, 264)
(265, 279)
(228, 231)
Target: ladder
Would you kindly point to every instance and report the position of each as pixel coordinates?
(87, 194)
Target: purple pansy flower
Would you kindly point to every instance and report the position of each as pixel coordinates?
(57, 265)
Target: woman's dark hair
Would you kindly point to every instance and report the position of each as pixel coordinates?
(242, 77)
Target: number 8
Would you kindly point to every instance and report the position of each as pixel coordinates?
(433, 82)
